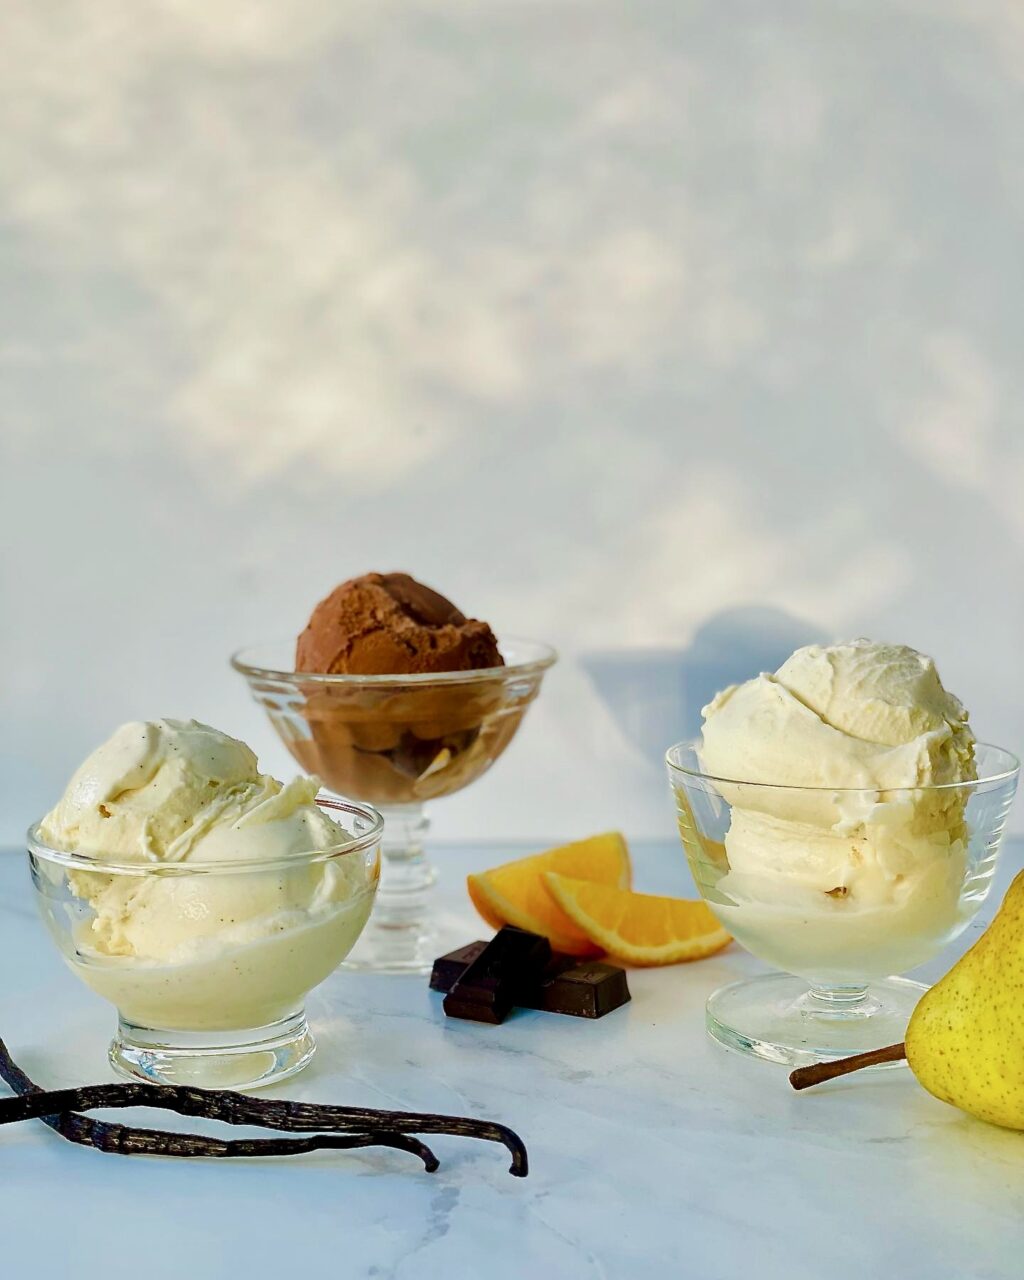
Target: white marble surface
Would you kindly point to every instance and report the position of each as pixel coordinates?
(654, 1152)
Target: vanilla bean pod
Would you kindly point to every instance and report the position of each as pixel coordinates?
(120, 1139)
(391, 1128)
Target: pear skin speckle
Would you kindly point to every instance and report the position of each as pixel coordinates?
(965, 1041)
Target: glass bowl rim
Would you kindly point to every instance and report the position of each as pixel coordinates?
(546, 657)
(38, 847)
(1010, 771)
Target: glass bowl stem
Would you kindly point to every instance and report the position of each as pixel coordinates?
(400, 937)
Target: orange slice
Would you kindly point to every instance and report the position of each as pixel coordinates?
(482, 904)
(515, 893)
(638, 928)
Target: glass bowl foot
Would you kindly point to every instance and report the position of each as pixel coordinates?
(387, 945)
(248, 1059)
(781, 1019)
(394, 948)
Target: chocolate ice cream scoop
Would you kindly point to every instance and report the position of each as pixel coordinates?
(390, 624)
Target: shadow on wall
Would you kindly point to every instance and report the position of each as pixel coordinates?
(656, 695)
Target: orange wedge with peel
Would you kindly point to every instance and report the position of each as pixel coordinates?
(638, 928)
(515, 893)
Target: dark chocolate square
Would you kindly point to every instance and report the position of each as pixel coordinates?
(498, 978)
(567, 985)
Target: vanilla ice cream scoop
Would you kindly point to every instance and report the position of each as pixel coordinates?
(843, 715)
(178, 791)
(151, 789)
(846, 828)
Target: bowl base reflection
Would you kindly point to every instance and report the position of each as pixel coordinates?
(248, 1059)
(780, 1018)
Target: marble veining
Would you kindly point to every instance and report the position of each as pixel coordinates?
(653, 1152)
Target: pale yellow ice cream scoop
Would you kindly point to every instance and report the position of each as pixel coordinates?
(179, 791)
(229, 919)
(849, 840)
(152, 789)
(845, 715)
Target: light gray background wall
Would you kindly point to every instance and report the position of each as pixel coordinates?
(676, 333)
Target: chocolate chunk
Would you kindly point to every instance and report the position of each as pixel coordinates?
(510, 965)
(450, 968)
(580, 989)
(587, 990)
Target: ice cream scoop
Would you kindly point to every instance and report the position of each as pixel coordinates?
(390, 624)
(843, 824)
(175, 791)
(845, 715)
(151, 789)
(842, 842)
(203, 895)
(387, 740)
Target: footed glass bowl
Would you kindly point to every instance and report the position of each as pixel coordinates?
(841, 890)
(208, 963)
(397, 742)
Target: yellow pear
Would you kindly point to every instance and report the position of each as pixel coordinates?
(965, 1041)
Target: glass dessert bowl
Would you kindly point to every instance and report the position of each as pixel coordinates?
(911, 867)
(397, 742)
(208, 963)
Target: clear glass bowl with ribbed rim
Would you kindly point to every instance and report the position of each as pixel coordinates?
(840, 889)
(209, 963)
(398, 742)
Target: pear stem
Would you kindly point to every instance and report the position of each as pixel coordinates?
(806, 1077)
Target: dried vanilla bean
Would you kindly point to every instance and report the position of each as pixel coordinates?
(330, 1126)
(120, 1139)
